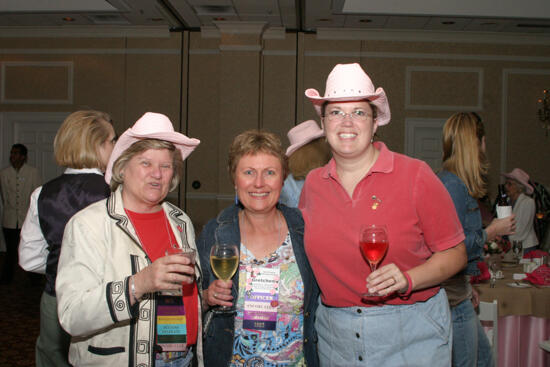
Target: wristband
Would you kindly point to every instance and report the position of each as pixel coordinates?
(133, 289)
(409, 287)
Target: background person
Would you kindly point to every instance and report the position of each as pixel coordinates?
(465, 168)
(83, 145)
(517, 188)
(366, 183)
(113, 264)
(308, 150)
(17, 182)
(271, 242)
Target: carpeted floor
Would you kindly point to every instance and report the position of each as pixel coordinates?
(19, 320)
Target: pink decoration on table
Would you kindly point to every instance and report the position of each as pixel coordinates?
(540, 276)
(485, 275)
(535, 254)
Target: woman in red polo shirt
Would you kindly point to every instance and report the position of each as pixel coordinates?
(366, 183)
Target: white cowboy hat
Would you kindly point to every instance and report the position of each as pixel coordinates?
(349, 82)
(522, 177)
(150, 126)
(302, 134)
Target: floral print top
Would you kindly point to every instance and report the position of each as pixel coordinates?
(283, 346)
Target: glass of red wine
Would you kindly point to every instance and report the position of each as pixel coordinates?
(374, 245)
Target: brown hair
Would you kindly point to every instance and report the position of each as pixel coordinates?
(141, 146)
(314, 154)
(253, 142)
(79, 137)
(462, 155)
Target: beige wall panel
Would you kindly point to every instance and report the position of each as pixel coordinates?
(170, 43)
(153, 83)
(527, 145)
(100, 84)
(444, 87)
(279, 96)
(37, 82)
(203, 124)
(279, 86)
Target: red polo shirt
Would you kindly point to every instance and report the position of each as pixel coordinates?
(401, 192)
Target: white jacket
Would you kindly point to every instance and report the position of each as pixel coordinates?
(100, 252)
(524, 209)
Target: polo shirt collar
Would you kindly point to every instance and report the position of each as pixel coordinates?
(383, 164)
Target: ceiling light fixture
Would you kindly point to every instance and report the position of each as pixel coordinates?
(68, 19)
(448, 22)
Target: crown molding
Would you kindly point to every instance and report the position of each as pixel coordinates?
(433, 36)
(95, 31)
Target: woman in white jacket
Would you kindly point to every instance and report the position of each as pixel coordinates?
(114, 265)
(518, 188)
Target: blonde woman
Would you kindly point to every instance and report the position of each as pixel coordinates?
(83, 145)
(464, 170)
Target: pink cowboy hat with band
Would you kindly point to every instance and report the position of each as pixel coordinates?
(349, 82)
(522, 177)
(150, 126)
(302, 134)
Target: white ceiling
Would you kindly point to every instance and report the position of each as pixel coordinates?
(525, 16)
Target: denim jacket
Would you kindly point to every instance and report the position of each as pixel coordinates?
(469, 214)
(218, 335)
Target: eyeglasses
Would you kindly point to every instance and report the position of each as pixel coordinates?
(339, 116)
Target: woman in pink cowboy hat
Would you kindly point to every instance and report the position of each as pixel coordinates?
(364, 184)
(123, 295)
(517, 188)
(307, 151)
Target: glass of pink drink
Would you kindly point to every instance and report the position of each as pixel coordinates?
(373, 243)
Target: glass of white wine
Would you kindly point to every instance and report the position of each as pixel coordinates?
(224, 260)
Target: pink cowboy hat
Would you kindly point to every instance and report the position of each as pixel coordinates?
(349, 82)
(522, 177)
(302, 134)
(150, 126)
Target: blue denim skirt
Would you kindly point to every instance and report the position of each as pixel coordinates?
(403, 335)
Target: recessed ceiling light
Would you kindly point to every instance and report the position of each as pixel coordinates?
(448, 22)
(218, 18)
(68, 19)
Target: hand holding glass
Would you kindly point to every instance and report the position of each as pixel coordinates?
(224, 260)
(374, 245)
(187, 252)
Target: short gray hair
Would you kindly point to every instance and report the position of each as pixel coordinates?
(141, 146)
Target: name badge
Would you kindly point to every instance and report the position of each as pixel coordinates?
(171, 324)
(261, 298)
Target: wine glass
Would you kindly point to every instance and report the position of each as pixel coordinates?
(373, 243)
(224, 260)
(517, 246)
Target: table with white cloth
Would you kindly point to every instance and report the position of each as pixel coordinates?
(524, 318)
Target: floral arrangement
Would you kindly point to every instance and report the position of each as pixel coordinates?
(499, 245)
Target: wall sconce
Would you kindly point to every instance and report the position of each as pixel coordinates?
(544, 111)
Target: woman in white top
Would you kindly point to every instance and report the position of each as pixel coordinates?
(518, 188)
(83, 144)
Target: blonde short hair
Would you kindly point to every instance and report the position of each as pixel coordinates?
(140, 146)
(314, 154)
(78, 139)
(462, 155)
(253, 142)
